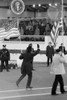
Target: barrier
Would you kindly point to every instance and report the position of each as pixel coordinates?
(17, 45)
(40, 58)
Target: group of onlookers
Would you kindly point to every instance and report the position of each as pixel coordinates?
(50, 51)
(35, 27)
(38, 27)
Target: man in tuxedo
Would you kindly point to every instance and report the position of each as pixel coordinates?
(26, 67)
(49, 53)
(32, 51)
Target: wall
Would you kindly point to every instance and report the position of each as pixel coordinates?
(4, 13)
(23, 46)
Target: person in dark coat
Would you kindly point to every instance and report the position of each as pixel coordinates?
(32, 51)
(5, 57)
(62, 48)
(49, 53)
(26, 67)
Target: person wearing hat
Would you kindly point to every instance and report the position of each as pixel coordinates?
(57, 68)
(32, 51)
(26, 67)
(49, 53)
(62, 47)
(5, 57)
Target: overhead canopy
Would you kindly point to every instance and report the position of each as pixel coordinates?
(30, 2)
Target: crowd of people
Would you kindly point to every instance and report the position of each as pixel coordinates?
(38, 27)
(31, 29)
(31, 26)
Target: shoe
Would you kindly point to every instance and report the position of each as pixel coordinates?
(1, 71)
(64, 92)
(47, 65)
(33, 69)
(17, 84)
(8, 71)
(29, 87)
(54, 94)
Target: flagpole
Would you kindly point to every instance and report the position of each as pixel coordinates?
(62, 22)
(19, 32)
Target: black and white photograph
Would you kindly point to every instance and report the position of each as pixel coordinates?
(33, 49)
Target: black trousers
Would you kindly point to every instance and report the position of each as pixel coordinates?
(49, 59)
(58, 79)
(4, 63)
(29, 79)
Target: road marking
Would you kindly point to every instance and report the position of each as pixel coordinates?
(43, 88)
(19, 90)
(28, 95)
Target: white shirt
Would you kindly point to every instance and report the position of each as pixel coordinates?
(57, 66)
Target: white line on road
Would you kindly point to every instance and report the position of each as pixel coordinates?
(19, 90)
(28, 95)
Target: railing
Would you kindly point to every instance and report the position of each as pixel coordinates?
(35, 36)
(27, 38)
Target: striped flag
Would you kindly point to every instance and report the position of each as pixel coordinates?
(55, 30)
(13, 32)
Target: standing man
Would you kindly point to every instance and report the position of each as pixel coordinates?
(5, 57)
(32, 51)
(49, 53)
(26, 68)
(62, 47)
(58, 70)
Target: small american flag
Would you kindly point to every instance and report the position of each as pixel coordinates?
(55, 30)
(14, 32)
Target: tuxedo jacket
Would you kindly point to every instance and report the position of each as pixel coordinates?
(26, 66)
(49, 51)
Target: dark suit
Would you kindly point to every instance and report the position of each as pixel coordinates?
(5, 57)
(26, 68)
(49, 53)
(32, 51)
(63, 49)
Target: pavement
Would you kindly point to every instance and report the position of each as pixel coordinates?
(42, 83)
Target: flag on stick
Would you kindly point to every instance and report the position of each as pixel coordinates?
(14, 32)
(55, 31)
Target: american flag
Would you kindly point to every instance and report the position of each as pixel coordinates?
(13, 32)
(55, 30)
(9, 30)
